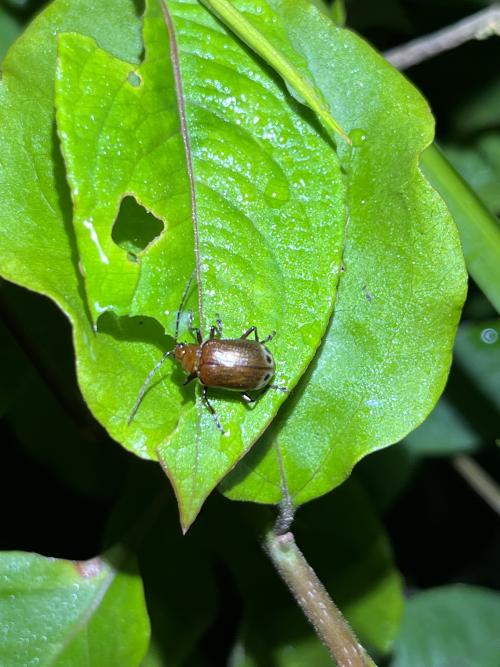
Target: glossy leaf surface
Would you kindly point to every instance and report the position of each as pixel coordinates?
(386, 356)
(251, 191)
(269, 214)
(63, 613)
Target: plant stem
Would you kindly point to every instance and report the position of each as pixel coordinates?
(478, 26)
(312, 597)
(479, 480)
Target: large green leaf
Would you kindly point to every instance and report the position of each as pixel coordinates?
(270, 217)
(384, 361)
(37, 248)
(63, 614)
(252, 196)
(452, 625)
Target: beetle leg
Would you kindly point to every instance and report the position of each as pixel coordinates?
(216, 329)
(277, 388)
(198, 336)
(255, 332)
(249, 331)
(190, 378)
(268, 338)
(247, 398)
(194, 330)
(211, 409)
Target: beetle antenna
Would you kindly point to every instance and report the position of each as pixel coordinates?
(146, 384)
(182, 304)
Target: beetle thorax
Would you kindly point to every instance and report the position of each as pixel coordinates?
(188, 355)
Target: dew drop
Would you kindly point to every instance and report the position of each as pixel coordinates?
(277, 192)
(134, 79)
(357, 136)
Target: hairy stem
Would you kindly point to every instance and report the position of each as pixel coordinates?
(313, 599)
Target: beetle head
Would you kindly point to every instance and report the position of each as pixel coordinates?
(187, 355)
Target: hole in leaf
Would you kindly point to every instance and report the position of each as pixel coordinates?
(135, 228)
(134, 79)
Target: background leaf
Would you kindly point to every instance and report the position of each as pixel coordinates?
(9, 30)
(386, 356)
(452, 625)
(178, 573)
(38, 371)
(55, 612)
(479, 229)
(467, 415)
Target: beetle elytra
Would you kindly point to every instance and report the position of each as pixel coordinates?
(234, 364)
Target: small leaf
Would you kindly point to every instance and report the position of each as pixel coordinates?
(453, 625)
(385, 358)
(120, 138)
(63, 613)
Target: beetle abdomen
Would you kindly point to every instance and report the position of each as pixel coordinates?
(237, 364)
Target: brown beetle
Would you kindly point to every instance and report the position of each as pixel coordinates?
(235, 364)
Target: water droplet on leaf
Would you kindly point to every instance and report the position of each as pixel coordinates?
(357, 136)
(277, 192)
